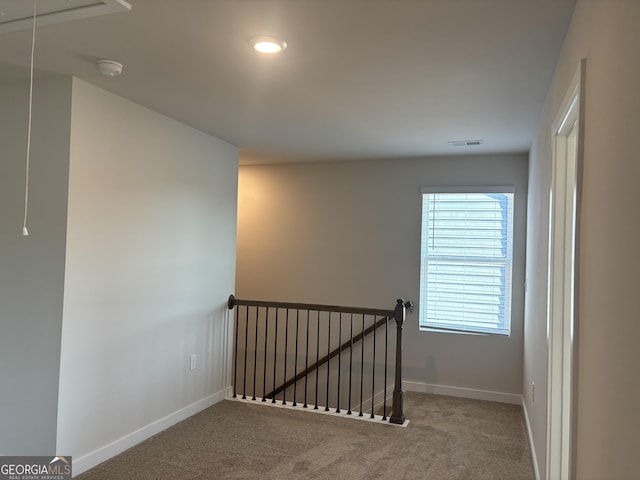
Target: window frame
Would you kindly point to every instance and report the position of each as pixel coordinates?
(508, 311)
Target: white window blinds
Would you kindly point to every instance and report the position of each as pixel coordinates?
(466, 262)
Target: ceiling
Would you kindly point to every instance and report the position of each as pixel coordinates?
(360, 79)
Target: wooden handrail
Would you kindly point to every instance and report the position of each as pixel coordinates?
(380, 318)
(233, 301)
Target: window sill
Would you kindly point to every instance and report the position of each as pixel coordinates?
(462, 332)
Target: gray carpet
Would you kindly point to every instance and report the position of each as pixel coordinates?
(447, 438)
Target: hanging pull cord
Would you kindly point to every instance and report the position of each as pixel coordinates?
(25, 232)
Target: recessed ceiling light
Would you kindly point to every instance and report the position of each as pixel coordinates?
(268, 45)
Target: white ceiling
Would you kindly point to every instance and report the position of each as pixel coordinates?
(360, 79)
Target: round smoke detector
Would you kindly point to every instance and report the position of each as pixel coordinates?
(109, 68)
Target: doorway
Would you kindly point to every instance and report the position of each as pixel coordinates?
(562, 281)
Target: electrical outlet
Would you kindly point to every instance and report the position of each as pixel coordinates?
(193, 361)
(533, 391)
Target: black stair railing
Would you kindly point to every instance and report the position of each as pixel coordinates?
(265, 363)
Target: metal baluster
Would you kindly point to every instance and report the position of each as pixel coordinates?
(373, 378)
(362, 365)
(286, 345)
(317, 359)
(306, 365)
(339, 359)
(264, 364)
(246, 340)
(350, 364)
(385, 316)
(235, 361)
(386, 346)
(295, 361)
(255, 355)
(275, 355)
(326, 408)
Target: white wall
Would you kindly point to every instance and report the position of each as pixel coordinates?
(348, 233)
(32, 268)
(606, 33)
(150, 263)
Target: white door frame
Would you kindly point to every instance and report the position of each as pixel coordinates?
(562, 314)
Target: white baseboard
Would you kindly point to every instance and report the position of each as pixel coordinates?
(534, 457)
(90, 460)
(462, 392)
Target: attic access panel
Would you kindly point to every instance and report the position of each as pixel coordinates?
(18, 14)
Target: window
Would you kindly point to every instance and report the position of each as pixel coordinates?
(466, 261)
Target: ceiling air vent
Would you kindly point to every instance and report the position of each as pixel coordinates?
(18, 14)
(466, 143)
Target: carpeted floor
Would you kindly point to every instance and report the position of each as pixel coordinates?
(447, 438)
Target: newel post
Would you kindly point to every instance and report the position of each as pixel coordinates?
(397, 414)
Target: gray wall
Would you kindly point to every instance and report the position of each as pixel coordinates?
(150, 263)
(348, 233)
(125, 274)
(32, 268)
(606, 34)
